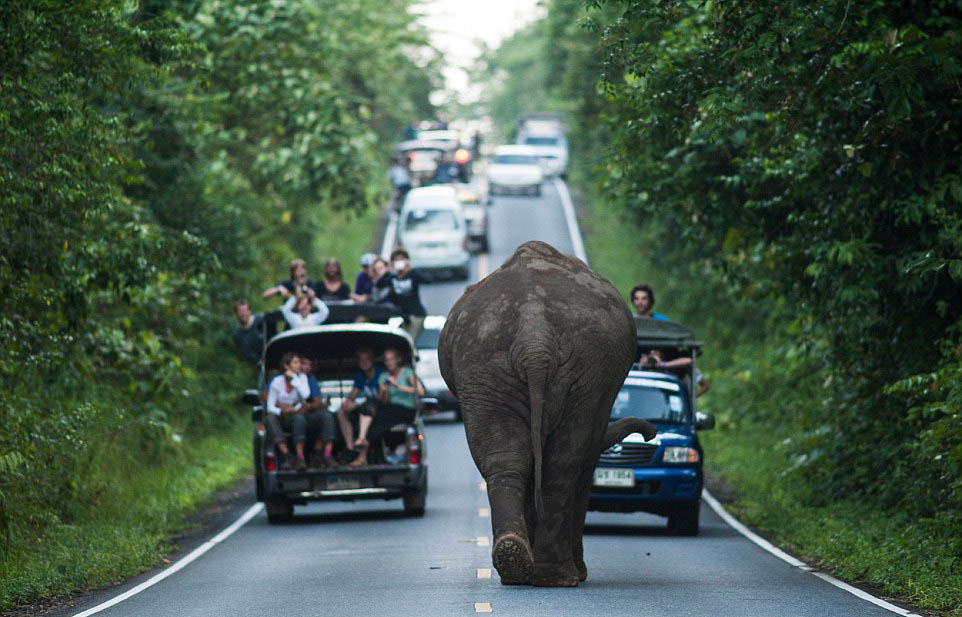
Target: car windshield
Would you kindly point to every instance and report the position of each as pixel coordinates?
(435, 220)
(516, 159)
(651, 399)
(428, 339)
(541, 141)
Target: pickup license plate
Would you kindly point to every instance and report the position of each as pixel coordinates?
(341, 482)
(614, 477)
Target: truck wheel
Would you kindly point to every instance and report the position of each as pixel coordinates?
(415, 498)
(684, 522)
(279, 510)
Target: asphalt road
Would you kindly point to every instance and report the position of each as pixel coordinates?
(366, 558)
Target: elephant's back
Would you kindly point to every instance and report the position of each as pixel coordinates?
(538, 293)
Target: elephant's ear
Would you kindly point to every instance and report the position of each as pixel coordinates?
(626, 426)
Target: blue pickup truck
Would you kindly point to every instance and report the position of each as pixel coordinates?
(662, 476)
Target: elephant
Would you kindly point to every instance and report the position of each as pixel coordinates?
(536, 353)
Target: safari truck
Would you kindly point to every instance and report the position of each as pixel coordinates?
(397, 466)
(662, 476)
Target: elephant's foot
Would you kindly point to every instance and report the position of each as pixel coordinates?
(555, 575)
(513, 559)
(582, 569)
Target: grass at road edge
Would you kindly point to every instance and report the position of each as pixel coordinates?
(899, 558)
(130, 530)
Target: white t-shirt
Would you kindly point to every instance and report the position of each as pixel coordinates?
(300, 391)
(294, 319)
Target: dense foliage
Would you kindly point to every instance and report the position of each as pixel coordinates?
(159, 159)
(789, 176)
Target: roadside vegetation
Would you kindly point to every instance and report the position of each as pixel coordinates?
(788, 179)
(159, 160)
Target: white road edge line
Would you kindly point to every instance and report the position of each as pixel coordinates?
(792, 561)
(579, 248)
(179, 565)
(390, 235)
(569, 210)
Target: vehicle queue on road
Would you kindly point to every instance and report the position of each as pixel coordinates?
(442, 219)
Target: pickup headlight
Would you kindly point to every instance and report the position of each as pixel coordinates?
(675, 454)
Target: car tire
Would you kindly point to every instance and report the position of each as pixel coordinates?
(684, 522)
(483, 245)
(415, 499)
(537, 191)
(279, 510)
(463, 273)
(491, 192)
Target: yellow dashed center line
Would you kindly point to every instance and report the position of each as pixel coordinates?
(482, 607)
(482, 265)
(484, 512)
(483, 541)
(483, 486)
(484, 572)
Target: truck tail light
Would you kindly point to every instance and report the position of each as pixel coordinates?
(270, 461)
(415, 447)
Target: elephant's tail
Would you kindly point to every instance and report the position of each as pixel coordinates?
(537, 379)
(626, 426)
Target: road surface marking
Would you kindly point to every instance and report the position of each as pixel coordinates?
(571, 220)
(777, 552)
(484, 572)
(482, 607)
(482, 265)
(484, 512)
(483, 541)
(179, 565)
(483, 486)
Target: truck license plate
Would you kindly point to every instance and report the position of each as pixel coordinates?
(614, 477)
(341, 482)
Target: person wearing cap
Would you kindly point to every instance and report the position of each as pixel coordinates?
(364, 283)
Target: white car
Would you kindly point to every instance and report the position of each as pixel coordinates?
(551, 150)
(515, 169)
(433, 230)
(476, 216)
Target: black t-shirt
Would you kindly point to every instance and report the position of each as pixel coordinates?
(343, 292)
(405, 292)
(289, 285)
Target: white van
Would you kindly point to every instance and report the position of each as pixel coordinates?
(433, 230)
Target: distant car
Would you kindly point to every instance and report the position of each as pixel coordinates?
(428, 370)
(515, 169)
(424, 157)
(476, 216)
(433, 230)
(450, 139)
(551, 150)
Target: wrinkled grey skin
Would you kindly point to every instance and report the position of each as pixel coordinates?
(536, 353)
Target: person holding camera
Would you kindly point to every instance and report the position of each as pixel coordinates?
(287, 397)
(398, 389)
(297, 310)
(299, 283)
(404, 287)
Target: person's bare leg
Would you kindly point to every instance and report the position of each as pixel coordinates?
(347, 426)
(362, 427)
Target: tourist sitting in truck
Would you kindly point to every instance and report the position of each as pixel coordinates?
(320, 422)
(366, 388)
(398, 389)
(653, 359)
(298, 313)
(287, 396)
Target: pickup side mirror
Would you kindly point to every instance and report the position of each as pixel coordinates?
(704, 421)
(251, 397)
(257, 413)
